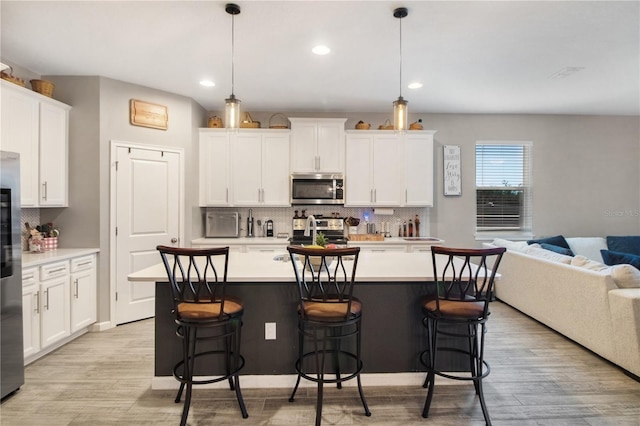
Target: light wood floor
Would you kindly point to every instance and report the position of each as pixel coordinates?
(538, 377)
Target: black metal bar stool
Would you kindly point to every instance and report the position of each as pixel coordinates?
(328, 319)
(464, 279)
(204, 312)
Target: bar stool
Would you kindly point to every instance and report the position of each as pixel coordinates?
(464, 280)
(329, 318)
(198, 279)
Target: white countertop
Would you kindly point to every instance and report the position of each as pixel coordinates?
(261, 267)
(285, 241)
(36, 259)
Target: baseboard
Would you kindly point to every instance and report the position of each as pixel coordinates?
(289, 380)
(101, 326)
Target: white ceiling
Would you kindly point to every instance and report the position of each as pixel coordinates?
(471, 56)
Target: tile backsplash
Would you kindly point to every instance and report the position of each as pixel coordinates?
(282, 217)
(32, 217)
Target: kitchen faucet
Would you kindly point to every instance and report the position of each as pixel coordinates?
(311, 220)
(250, 224)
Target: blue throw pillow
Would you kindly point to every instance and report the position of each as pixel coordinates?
(558, 240)
(624, 244)
(617, 258)
(557, 249)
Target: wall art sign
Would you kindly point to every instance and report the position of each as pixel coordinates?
(146, 114)
(451, 170)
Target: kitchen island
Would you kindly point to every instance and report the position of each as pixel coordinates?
(390, 286)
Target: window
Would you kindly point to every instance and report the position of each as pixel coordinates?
(503, 188)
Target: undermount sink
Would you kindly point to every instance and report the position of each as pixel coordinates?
(420, 239)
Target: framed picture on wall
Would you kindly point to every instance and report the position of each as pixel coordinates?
(451, 170)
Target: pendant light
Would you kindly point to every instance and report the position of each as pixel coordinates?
(400, 110)
(231, 104)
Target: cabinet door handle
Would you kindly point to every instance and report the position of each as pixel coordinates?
(46, 303)
(44, 190)
(375, 195)
(226, 196)
(76, 283)
(37, 302)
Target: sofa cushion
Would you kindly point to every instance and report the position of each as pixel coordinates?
(585, 262)
(558, 240)
(557, 249)
(624, 244)
(537, 251)
(587, 246)
(625, 276)
(616, 258)
(519, 246)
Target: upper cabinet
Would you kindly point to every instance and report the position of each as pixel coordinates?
(419, 172)
(37, 128)
(388, 169)
(374, 171)
(249, 167)
(260, 169)
(317, 145)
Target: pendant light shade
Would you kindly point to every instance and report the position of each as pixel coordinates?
(232, 105)
(400, 109)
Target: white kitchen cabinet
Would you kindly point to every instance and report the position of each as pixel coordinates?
(83, 292)
(30, 311)
(215, 168)
(374, 175)
(54, 303)
(317, 145)
(419, 177)
(260, 168)
(37, 127)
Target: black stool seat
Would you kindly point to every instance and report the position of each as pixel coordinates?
(459, 310)
(204, 315)
(329, 319)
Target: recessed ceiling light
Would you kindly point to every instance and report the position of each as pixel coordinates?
(415, 85)
(321, 50)
(207, 83)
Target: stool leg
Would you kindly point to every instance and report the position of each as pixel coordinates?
(185, 359)
(188, 372)
(236, 355)
(359, 366)
(432, 334)
(335, 341)
(301, 332)
(228, 344)
(320, 360)
(480, 366)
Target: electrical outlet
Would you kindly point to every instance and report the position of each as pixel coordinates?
(270, 331)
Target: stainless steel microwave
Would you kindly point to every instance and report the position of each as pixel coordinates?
(317, 188)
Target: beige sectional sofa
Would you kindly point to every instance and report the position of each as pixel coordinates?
(593, 304)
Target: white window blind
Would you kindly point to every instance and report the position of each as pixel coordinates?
(503, 187)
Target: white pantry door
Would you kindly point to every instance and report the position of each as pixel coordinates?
(148, 185)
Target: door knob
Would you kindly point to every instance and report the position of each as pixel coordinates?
(174, 240)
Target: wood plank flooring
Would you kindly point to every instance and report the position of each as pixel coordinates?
(538, 377)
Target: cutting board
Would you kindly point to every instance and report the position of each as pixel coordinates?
(366, 237)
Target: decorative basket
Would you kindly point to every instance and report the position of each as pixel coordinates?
(43, 87)
(281, 121)
(417, 125)
(361, 125)
(215, 122)
(386, 126)
(8, 76)
(50, 243)
(248, 122)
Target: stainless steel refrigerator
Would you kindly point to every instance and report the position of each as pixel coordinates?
(11, 346)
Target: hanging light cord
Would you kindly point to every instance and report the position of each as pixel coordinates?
(232, 51)
(400, 57)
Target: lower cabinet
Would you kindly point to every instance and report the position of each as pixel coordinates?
(58, 300)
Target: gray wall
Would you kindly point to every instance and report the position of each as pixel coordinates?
(100, 114)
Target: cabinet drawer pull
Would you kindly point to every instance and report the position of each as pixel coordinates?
(53, 271)
(88, 262)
